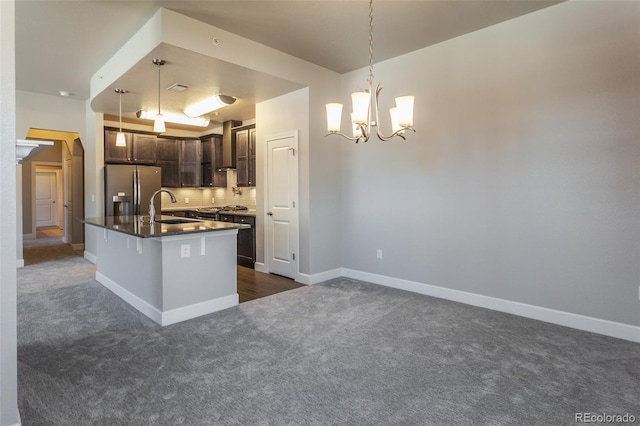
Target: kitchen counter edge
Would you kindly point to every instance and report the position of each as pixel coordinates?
(139, 226)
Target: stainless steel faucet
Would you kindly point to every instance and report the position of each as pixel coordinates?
(152, 209)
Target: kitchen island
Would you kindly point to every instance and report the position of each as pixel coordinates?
(171, 270)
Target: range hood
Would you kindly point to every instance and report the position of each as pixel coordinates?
(229, 145)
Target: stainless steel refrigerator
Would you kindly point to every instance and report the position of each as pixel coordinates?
(128, 189)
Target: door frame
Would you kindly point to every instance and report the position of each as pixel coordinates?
(53, 166)
(294, 134)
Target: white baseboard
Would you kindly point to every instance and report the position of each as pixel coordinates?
(567, 319)
(198, 309)
(168, 317)
(142, 306)
(91, 257)
(320, 277)
(20, 263)
(260, 267)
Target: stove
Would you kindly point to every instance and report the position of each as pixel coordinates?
(211, 213)
(233, 208)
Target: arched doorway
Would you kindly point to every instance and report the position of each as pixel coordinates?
(66, 158)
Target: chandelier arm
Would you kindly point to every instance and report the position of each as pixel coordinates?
(363, 138)
(343, 135)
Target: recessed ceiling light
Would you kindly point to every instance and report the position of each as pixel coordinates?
(65, 94)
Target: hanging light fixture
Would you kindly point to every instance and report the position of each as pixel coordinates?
(158, 123)
(210, 104)
(120, 138)
(364, 104)
(175, 118)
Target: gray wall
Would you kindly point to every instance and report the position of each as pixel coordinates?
(8, 219)
(522, 182)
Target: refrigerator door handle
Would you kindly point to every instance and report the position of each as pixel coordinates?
(136, 192)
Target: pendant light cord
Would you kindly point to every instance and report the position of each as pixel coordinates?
(158, 89)
(120, 112)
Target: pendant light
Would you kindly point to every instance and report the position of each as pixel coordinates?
(366, 103)
(120, 138)
(158, 123)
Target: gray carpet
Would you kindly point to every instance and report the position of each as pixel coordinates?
(340, 353)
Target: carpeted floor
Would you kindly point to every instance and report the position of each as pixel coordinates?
(340, 353)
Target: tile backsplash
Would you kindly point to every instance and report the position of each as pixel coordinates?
(205, 197)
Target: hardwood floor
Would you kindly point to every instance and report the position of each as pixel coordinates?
(48, 232)
(254, 285)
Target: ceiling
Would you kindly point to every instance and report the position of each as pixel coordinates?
(61, 44)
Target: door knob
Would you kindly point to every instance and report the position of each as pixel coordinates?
(270, 214)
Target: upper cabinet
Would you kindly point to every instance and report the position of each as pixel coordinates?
(140, 148)
(167, 154)
(191, 163)
(113, 153)
(144, 148)
(245, 138)
(213, 173)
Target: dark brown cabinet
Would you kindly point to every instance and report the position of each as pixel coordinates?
(167, 159)
(246, 255)
(252, 157)
(113, 153)
(143, 148)
(246, 156)
(213, 175)
(190, 163)
(140, 148)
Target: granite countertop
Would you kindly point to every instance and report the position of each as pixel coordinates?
(139, 226)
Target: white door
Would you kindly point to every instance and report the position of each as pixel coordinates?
(46, 198)
(68, 208)
(282, 195)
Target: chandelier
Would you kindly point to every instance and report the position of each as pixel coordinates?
(364, 104)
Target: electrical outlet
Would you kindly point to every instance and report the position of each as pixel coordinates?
(186, 200)
(185, 250)
(379, 254)
(213, 200)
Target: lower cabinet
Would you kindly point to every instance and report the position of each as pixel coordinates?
(246, 238)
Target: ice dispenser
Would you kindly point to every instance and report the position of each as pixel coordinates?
(121, 205)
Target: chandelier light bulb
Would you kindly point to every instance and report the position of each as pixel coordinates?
(334, 116)
(360, 102)
(395, 120)
(405, 110)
